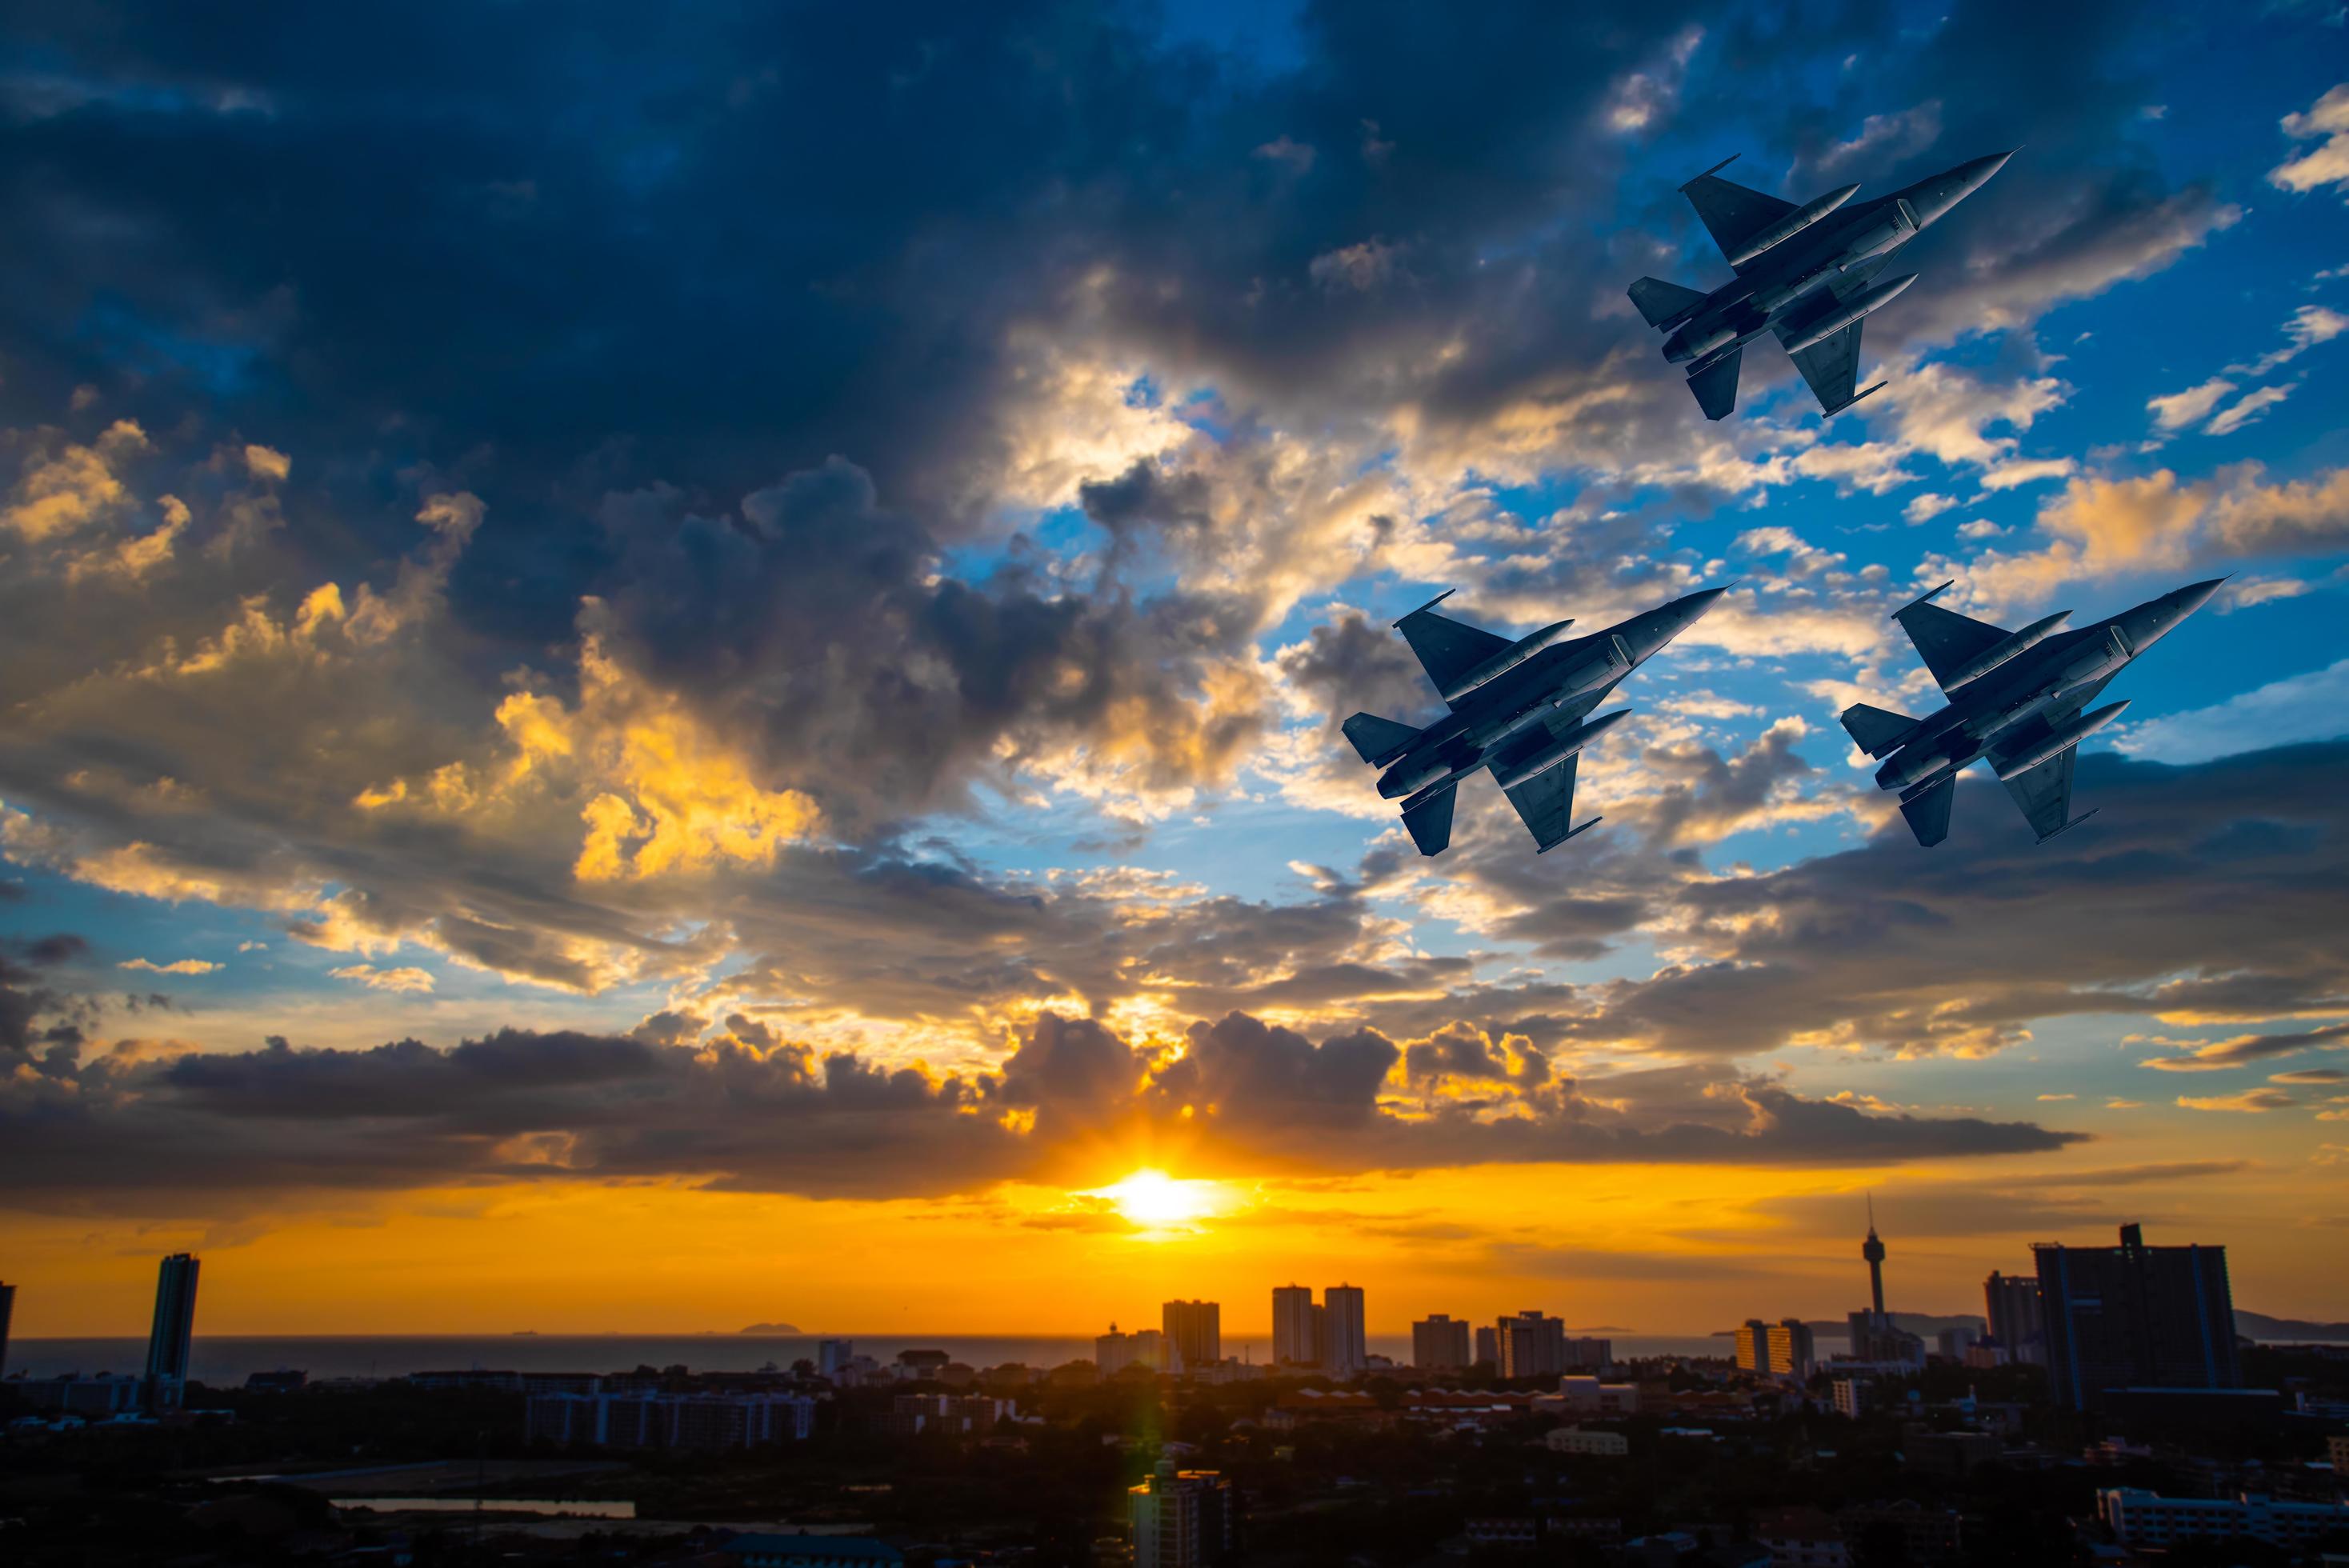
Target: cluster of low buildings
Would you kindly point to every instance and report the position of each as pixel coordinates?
(677, 1410)
(1327, 1339)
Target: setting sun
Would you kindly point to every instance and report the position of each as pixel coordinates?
(1153, 1199)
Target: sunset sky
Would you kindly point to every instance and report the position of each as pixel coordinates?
(669, 666)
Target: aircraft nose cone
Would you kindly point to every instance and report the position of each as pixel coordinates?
(1697, 604)
(1982, 168)
(2194, 596)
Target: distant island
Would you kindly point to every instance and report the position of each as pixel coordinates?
(1923, 1323)
(2259, 1326)
(769, 1328)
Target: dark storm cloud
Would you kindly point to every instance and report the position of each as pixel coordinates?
(25, 999)
(406, 1078)
(746, 1110)
(616, 276)
(2163, 906)
(632, 255)
(637, 273)
(817, 628)
(739, 241)
(1260, 1075)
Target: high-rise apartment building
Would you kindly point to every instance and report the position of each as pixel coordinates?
(2010, 1303)
(174, 1331)
(1440, 1344)
(1183, 1519)
(831, 1355)
(1345, 1346)
(1752, 1351)
(1585, 1351)
(1114, 1352)
(7, 1310)
(1295, 1328)
(2136, 1316)
(1780, 1349)
(1530, 1345)
(1195, 1333)
(1488, 1348)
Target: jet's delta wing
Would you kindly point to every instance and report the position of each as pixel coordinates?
(1945, 640)
(1733, 214)
(2043, 794)
(1830, 366)
(1448, 650)
(1545, 802)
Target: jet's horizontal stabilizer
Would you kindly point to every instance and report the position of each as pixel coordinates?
(1872, 729)
(1660, 302)
(1378, 741)
(1928, 810)
(1430, 822)
(1715, 386)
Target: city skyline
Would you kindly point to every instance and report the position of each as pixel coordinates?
(610, 721)
(1191, 1335)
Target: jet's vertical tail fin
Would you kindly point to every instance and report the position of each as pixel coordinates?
(1430, 822)
(1715, 386)
(1928, 809)
(1660, 302)
(1379, 740)
(1875, 731)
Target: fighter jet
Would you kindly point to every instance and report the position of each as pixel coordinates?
(1520, 708)
(2015, 701)
(1807, 273)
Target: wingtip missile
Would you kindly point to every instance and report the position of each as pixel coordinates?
(1924, 599)
(2070, 825)
(1431, 604)
(1706, 175)
(1855, 398)
(1571, 834)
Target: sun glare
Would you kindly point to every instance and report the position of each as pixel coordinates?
(1160, 1201)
